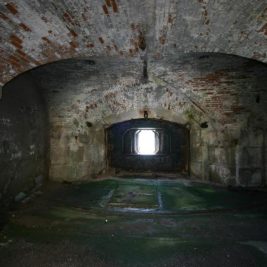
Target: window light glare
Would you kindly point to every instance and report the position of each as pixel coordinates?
(146, 142)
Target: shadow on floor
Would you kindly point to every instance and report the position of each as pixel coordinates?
(138, 222)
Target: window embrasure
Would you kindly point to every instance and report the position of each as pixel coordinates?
(146, 142)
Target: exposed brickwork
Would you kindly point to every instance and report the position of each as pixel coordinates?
(112, 27)
(153, 38)
(12, 8)
(226, 91)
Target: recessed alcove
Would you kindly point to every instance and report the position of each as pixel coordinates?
(168, 146)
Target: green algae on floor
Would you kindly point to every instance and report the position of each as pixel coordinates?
(81, 220)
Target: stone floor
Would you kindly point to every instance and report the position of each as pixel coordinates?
(138, 222)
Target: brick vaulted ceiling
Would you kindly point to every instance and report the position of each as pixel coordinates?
(35, 32)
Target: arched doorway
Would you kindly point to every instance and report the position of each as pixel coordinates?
(148, 145)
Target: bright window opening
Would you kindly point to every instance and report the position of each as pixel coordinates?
(146, 142)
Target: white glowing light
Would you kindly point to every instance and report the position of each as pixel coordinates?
(146, 142)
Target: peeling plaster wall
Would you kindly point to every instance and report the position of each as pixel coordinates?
(23, 138)
(113, 40)
(225, 158)
(228, 92)
(35, 32)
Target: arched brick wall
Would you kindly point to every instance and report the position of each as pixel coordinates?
(38, 32)
(227, 92)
